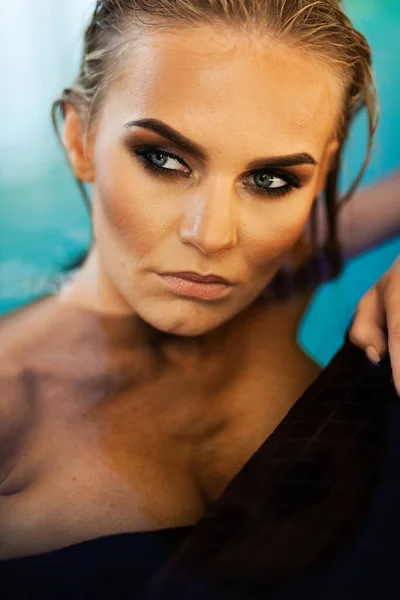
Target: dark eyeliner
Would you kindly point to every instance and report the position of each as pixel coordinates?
(145, 151)
(292, 182)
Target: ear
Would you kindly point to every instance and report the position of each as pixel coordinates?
(79, 153)
(327, 164)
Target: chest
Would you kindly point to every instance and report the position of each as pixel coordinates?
(82, 475)
(95, 458)
(75, 484)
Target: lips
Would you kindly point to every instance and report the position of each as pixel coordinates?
(191, 276)
(193, 288)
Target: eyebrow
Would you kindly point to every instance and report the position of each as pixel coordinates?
(161, 128)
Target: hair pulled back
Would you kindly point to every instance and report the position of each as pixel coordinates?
(318, 27)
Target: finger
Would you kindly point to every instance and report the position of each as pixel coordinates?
(391, 298)
(367, 330)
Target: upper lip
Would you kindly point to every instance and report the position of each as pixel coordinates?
(211, 278)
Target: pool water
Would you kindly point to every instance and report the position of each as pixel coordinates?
(43, 222)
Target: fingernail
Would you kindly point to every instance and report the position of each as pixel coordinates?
(373, 355)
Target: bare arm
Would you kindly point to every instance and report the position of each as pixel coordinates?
(371, 216)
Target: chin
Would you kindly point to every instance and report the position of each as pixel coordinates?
(183, 323)
(183, 328)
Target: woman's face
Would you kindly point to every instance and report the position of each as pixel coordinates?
(207, 156)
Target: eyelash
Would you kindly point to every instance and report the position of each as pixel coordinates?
(142, 154)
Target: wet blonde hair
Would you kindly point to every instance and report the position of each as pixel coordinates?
(318, 27)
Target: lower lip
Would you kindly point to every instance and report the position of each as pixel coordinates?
(186, 287)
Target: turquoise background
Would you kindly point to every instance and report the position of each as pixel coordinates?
(43, 222)
(322, 330)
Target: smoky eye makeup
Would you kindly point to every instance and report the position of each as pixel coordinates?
(154, 159)
(165, 163)
(272, 182)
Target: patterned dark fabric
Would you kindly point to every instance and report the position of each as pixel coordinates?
(315, 512)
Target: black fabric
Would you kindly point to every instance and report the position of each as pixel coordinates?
(314, 514)
(116, 566)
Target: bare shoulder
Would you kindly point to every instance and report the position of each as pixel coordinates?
(20, 333)
(18, 327)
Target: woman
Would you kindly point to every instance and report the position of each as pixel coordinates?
(136, 394)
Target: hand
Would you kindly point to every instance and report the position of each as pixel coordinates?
(378, 309)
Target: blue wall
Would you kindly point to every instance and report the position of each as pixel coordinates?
(323, 327)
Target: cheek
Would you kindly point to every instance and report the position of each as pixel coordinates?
(130, 209)
(274, 233)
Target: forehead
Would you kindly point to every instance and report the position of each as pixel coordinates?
(221, 86)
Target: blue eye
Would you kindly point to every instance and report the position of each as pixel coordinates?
(269, 181)
(155, 160)
(161, 163)
(273, 182)
(163, 158)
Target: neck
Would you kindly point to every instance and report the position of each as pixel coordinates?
(92, 290)
(257, 348)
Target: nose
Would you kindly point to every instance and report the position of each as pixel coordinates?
(209, 221)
